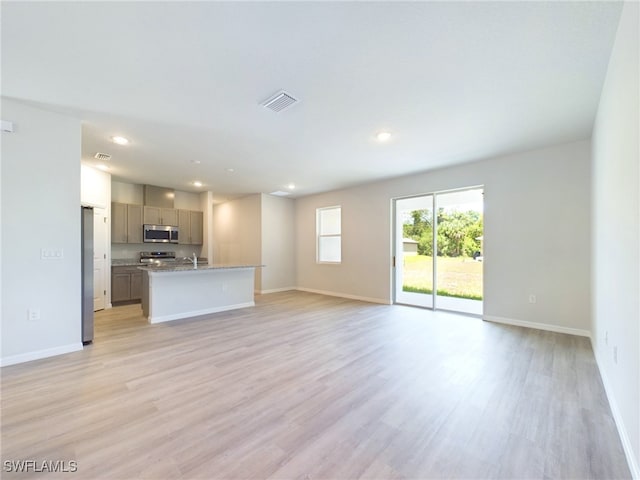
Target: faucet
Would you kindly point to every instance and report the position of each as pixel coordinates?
(193, 259)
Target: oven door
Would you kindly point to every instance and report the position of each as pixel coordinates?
(157, 233)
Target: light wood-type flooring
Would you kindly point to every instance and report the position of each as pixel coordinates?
(305, 386)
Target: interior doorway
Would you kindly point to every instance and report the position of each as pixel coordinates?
(100, 267)
(439, 250)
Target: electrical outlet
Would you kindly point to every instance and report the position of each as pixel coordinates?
(532, 298)
(33, 314)
(615, 354)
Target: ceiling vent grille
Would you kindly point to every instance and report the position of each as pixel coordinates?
(102, 156)
(280, 101)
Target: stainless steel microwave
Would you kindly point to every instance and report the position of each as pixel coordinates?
(160, 234)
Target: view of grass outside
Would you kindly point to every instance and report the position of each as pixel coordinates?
(459, 240)
(459, 277)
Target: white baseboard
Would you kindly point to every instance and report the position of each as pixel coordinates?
(197, 313)
(39, 354)
(537, 326)
(617, 417)
(383, 301)
(275, 290)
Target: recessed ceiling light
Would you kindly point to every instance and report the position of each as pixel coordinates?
(230, 170)
(102, 166)
(383, 136)
(120, 140)
(291, 186)
(197, 184)
(197, 162)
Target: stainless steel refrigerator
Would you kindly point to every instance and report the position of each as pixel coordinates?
(87, 275)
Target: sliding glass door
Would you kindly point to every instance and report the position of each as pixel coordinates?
(439, 258)
(414, 246)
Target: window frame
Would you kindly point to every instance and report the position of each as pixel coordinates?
(319, 235)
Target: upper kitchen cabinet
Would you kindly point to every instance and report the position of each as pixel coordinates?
(134, 223)
(126, 223)
(119, 223)
(190, 226)
(160, 216)
(196, 228)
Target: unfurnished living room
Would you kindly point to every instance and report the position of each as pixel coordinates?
(320, 240)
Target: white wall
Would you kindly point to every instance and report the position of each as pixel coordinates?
(616, 234)
(278, 244)
(122, 192)
(237, 233)
(536, 239)
(187, 201)
(95, 187)
(40, 209)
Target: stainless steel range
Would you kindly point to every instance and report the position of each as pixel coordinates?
(157, 258)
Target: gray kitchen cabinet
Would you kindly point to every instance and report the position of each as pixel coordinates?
(119, 223)
(196, 227)
(126, 284)
(184, 226)
(190, 226)
(126, 223)
(134, 223)
(153, 215)
(160, 216)
(169, 216)
(136, 285)
(120, 286)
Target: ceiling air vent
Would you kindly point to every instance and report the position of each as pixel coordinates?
(102, 156)
(279, 193)
(280, 101)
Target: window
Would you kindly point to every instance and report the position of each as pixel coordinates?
(329, 233)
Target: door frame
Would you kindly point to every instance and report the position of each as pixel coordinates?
(396, 248)
(104, 241)
(398, 254)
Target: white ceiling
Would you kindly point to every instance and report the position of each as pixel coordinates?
(453, 81)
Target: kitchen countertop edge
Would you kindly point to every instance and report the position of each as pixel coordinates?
(187, 268)
(126, 262)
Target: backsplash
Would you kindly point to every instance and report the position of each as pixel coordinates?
(132, 250)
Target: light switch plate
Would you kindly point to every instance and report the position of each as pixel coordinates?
(51, 254)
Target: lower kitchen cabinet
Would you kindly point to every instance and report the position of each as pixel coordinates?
(136, 286)
(126, 284)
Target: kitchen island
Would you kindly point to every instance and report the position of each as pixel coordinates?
(173, 292)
